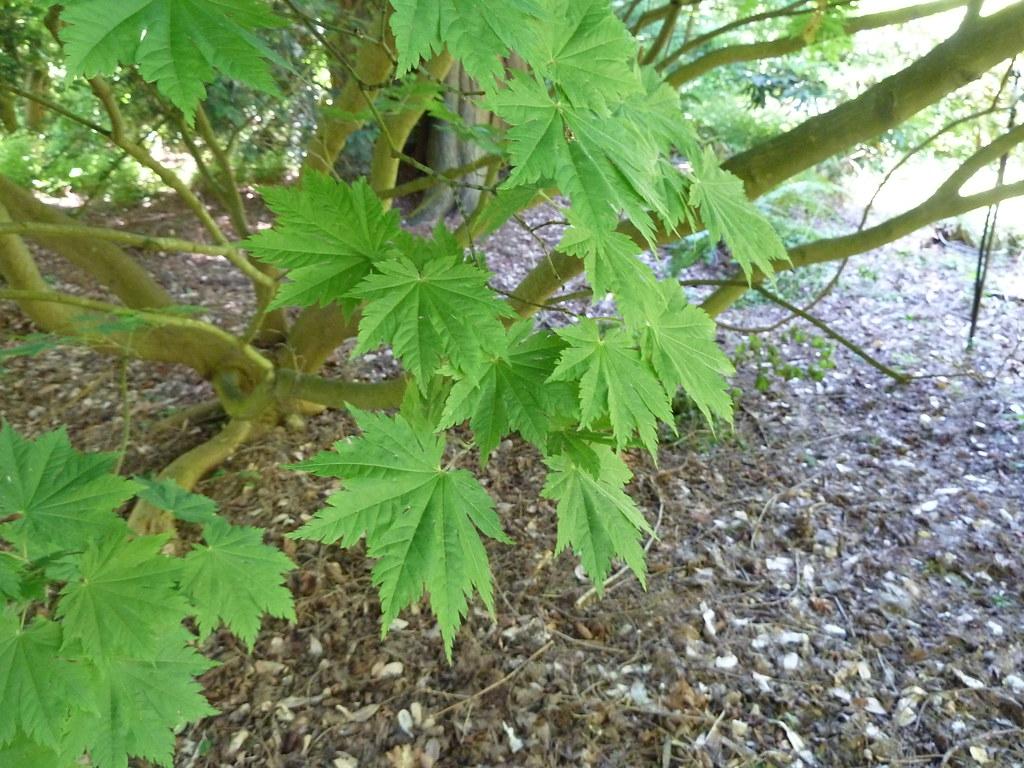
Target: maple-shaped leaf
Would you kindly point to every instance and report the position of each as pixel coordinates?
(12, 570)
(61, 498)
(416, 25)
(184, 505)
(612, 266)
(422, 522)
(509, 391)
(124, 597)
(22, 752)
(37, 687)
(440, 307)
(595, 516)
(178, 44)
(537, 134)
(235, 578)
(728, 215)
(328, 235)
(142, 698)
(614, 381)
(679, 342)
(481, 34)
(605, 164)
(656, 107)
(585, 49)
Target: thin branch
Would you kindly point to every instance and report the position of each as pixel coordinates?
(438, 177)
(927, 141)
(734, 54)
(56, 109)
(794, 8)
(136, 240)
(150, 316)
(233, 201)
(166, 175)
(668, 27)
(819, 324)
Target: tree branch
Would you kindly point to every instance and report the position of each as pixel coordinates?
(290, 384)
(735, 54)
(668, 26)
(145, 242)
(101, 259)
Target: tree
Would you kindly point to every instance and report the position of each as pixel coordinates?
(582, 111)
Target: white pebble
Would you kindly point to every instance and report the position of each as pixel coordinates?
(726, 662)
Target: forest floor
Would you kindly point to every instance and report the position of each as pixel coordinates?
(835, 582)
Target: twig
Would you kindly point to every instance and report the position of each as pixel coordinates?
(494, 686)
(821, 325)
(981, 737)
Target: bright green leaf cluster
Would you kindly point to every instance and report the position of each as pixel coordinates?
(94, 658)
(422, 521)
(579, 117)
(177, 44)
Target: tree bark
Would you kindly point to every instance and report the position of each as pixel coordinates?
(105, 262)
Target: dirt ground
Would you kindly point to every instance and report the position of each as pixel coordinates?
(835, 582)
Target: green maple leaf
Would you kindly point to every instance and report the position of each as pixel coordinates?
(124, 598)
(679, 341)
(509, 391)
(431, 309)
(11, 573)
(141, 699)
(178, 44)
(729, 215)
(537, 134)
(612, 265)
(584, 48)
(62, 498)
(604, 163)
(235, 578)
(329, 235)
(184, 505)
(595, 516)
(614, 381)
(38, 689)
(416, 25)
(481, 34)
(22, 752)
(422, 522)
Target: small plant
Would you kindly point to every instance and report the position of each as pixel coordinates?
(95, 657)
(772, 362)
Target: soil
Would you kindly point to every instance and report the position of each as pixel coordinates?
(836, 581)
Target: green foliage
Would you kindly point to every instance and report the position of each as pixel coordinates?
(94, 658)
(581, 118)
(595, 516)
(422, 522)
(439, 308)
(177, 44)
(614, 382)
(328, 235)
(728, 215)
(583, 125)
(796, 355)
(509, 391)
